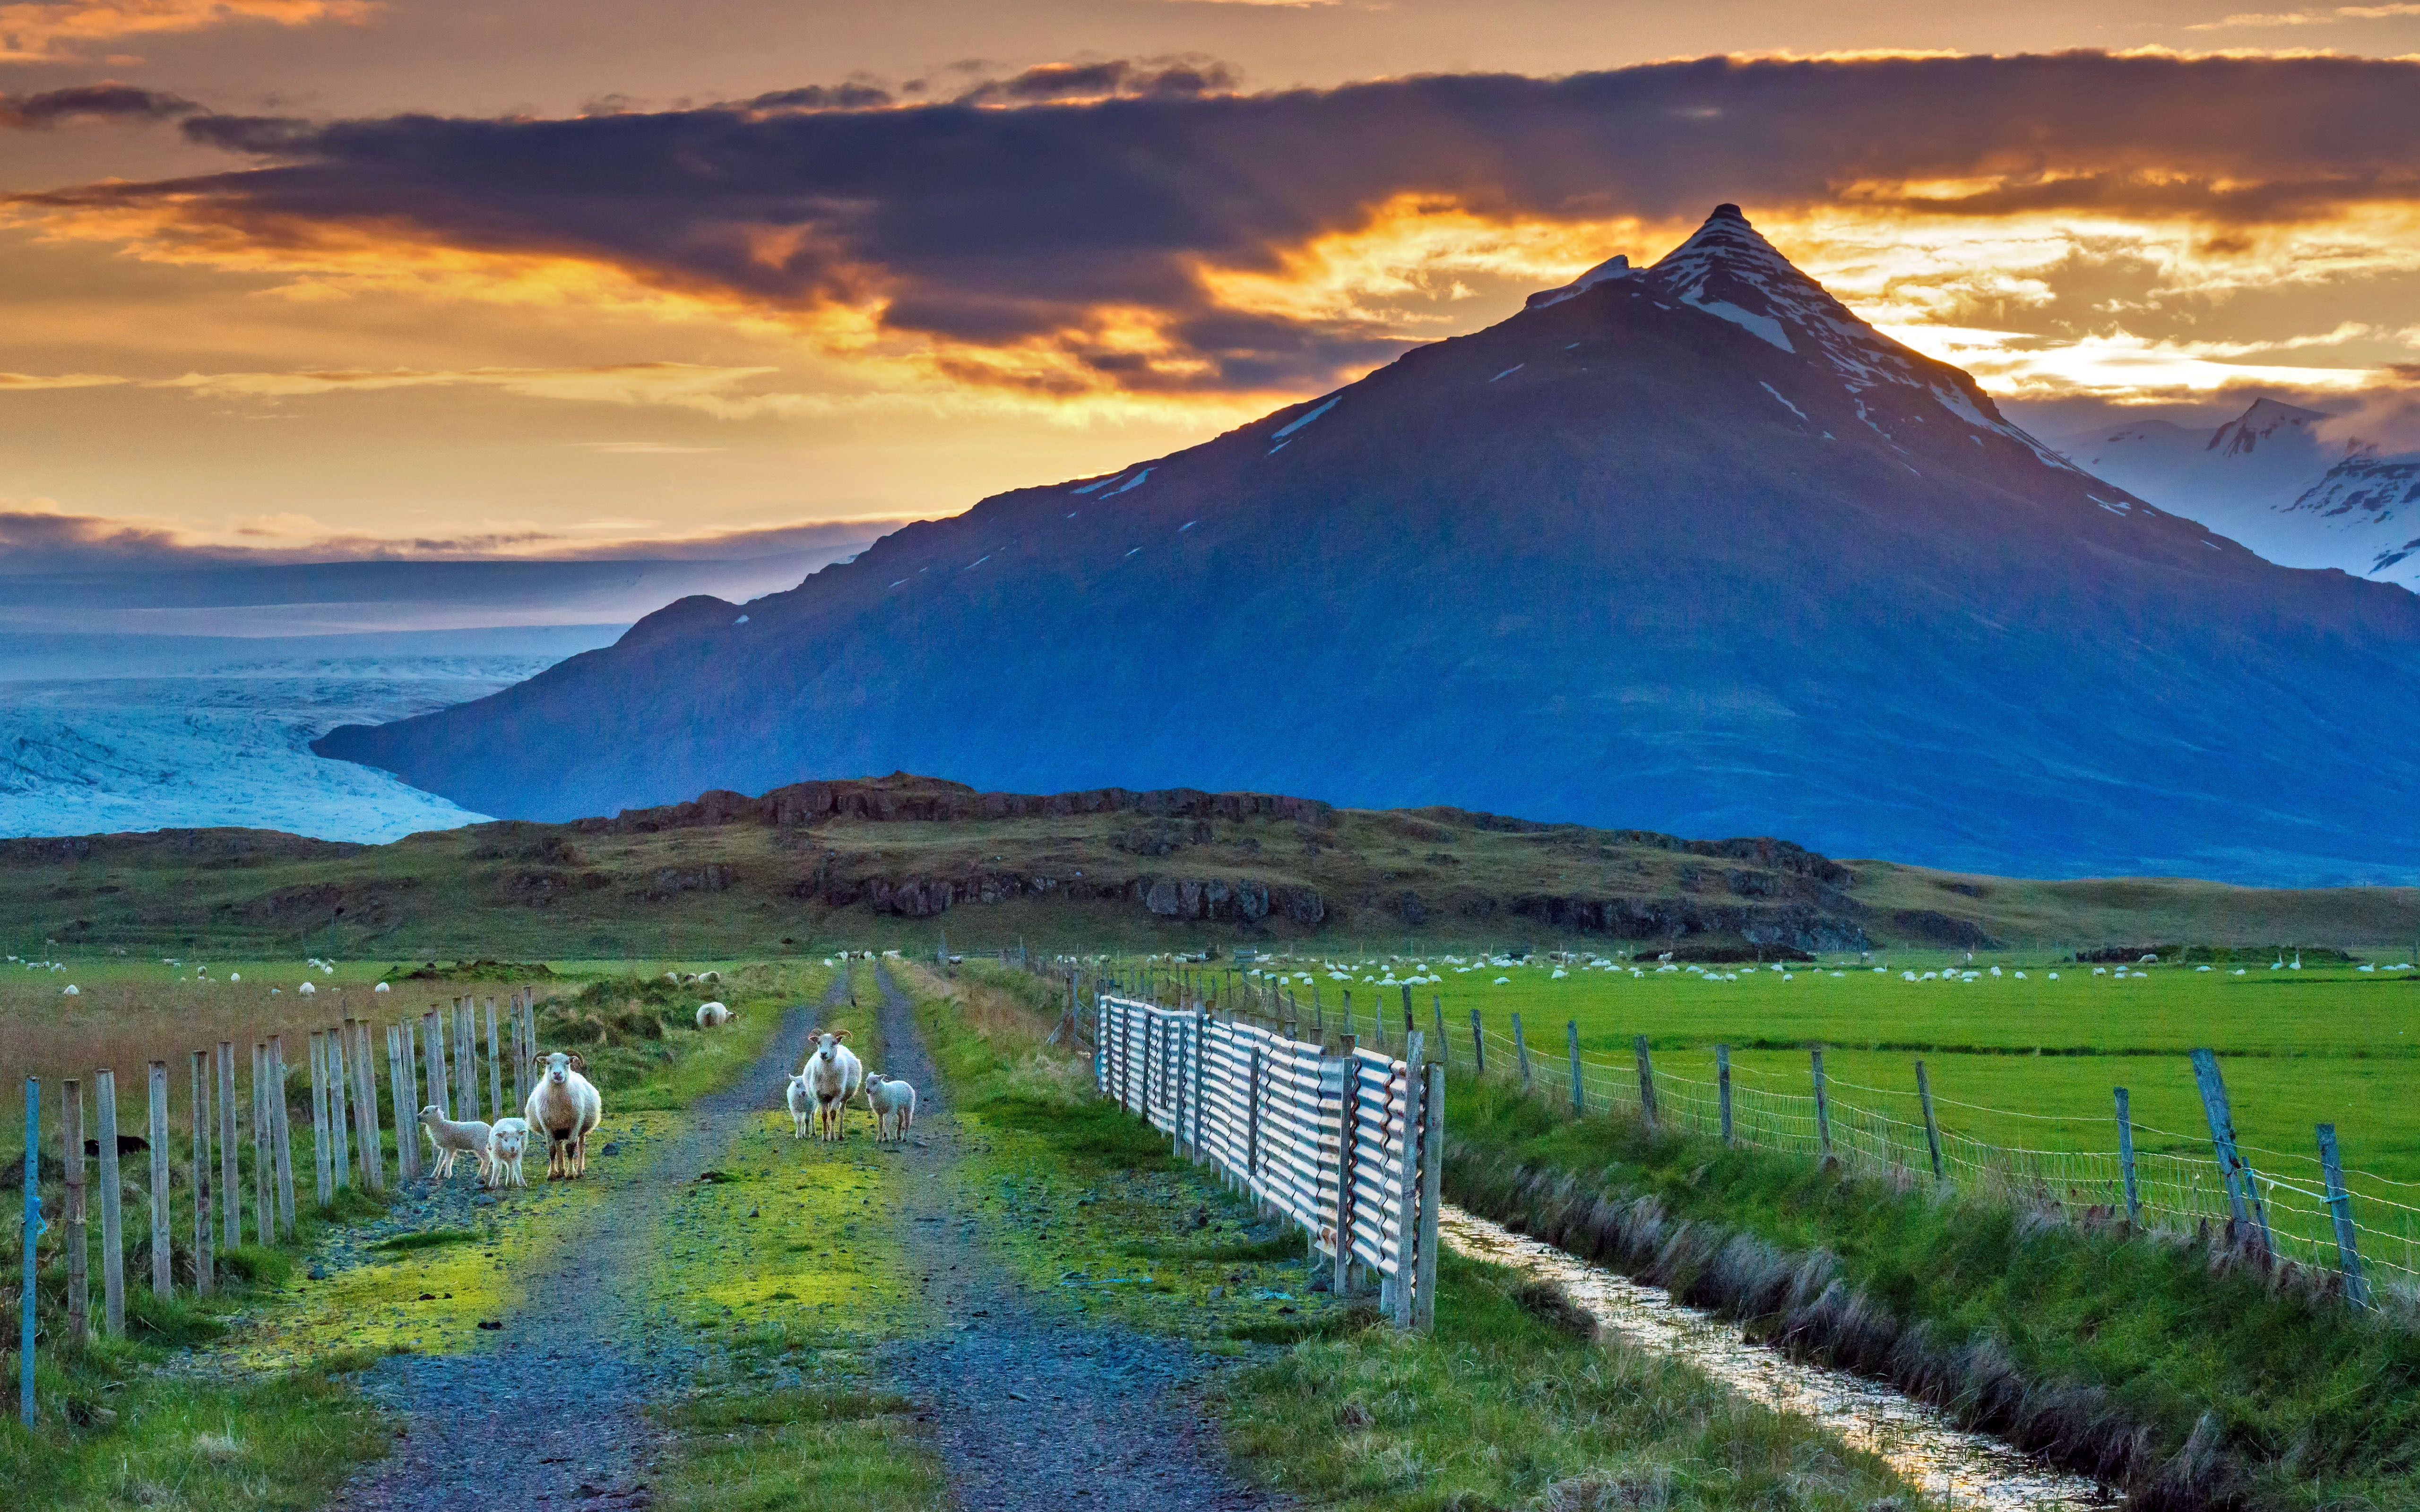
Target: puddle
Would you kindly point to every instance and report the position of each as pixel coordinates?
(1965, 1470)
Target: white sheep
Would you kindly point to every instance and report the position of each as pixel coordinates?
(801, 1099)
(566, 1106)
(834, 1073)
(892, 1101)
(379, 988)
(305, 990)
(452, 1140)
(506, 1143)
(712, 1015)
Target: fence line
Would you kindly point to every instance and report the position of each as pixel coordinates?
(1876, 1130)
(1346, 1145)
(345, 1088)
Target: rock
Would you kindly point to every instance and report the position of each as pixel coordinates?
(317, 1272)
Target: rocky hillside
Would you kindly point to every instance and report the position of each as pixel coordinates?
(911, 859)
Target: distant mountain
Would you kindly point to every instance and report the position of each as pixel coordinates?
(2266, 479)
(1688, 547)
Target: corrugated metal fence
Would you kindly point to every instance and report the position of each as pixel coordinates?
(1346, 1146)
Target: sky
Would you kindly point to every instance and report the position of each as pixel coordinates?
(289, 280)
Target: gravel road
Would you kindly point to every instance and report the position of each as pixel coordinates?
(1030, 1412)
(551, 1408)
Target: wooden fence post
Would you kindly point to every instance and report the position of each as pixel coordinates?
(204, 1280)
(1345, 1150)
(1477, 1047)
(231, 1151)
(466, 1060)
(366, 1108)
(29, 1238)
(1350, 1032)
(340, 1152)
(2242, 1189)
(1521, 1049)
(113, 1221)
(1723, 1087)
(1444, 1047)
(1646, 1083)
(264, 1205)
(281, 1129)
(399, 1089)
(1409, 1027)
(2357, 1287)
(1822, 1110)
(1931, 1124)
(432, 1038)
(1572, 1038)
(79, 1250)
(163, 1242)
(496, 1066)
(320, 1115)
(2126, 1157)
(1432, 1194)
(1407, 1207)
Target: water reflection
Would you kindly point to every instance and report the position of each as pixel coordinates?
(1965, 1469)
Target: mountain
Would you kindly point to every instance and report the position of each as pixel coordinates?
(1693, 549)
(2267, 479)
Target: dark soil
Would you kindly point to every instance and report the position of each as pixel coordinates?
(552, 1409)
(1033, 1411)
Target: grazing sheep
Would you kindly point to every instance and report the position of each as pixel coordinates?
(379, 988)
(892, 1102)
(566, 1106)
(710, 976)
(506, 1143)
(834, 1073)
(712, 1015)
(452, 1140)
(801, 1099)
(305, 990)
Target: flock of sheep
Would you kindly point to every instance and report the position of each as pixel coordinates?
(565, 1108)
(831, 1077)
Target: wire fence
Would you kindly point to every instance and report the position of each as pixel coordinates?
(2303, 1208)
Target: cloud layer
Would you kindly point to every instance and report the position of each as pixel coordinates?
(1157, 237)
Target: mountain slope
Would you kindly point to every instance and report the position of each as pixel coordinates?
(1692, 548)
(2268, 480)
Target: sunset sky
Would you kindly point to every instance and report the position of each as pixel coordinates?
(333, 277)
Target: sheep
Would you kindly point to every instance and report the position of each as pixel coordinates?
(712, 1015)
(801, 1099)
(834, 1073)
(452, 1138)
(379, 988)
(566, 1106)
(305, 990)
(506, 1143)
(892, 1101)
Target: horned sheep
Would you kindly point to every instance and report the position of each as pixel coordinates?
(565, 1108)
(833, 1074)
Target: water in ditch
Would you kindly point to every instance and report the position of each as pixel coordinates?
(1966, 1469)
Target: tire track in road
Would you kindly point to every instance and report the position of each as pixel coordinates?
(1035, 1413)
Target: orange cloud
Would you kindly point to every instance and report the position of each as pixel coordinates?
(48, 31)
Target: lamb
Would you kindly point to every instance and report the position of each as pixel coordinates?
(833, 1074)
(892, 1101)
(801, 1099)
(505, 1142)
(712, 1015)
(452, 1140)
(566, 1106)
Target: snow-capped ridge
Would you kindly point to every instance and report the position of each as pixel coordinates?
(2263, 421)
(1617, 266)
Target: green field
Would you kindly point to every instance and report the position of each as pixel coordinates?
(2027, 1063)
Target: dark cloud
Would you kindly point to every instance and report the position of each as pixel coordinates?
(91, 102)
(989, 222)
(821, 97)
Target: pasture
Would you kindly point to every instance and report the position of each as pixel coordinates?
(2027, 1062)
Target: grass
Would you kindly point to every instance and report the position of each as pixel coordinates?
(244, 1400)
(2189, 1380)
(1505, 1406)
(804, 1449)
(659, 884)
(2302, 1047)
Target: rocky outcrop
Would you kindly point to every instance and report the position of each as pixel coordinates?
(902, 798)
(1801, 925)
